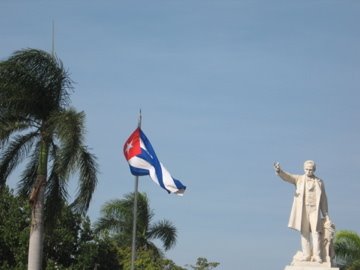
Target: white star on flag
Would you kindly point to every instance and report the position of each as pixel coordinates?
(129, 146)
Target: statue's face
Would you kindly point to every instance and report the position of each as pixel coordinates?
(309, 170)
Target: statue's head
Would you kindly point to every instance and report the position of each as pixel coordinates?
(309, 167)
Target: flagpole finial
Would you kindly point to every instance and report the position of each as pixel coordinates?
(140, 119)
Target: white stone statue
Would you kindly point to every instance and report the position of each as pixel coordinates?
(309, 215)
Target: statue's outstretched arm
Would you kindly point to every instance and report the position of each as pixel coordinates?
(284, 175)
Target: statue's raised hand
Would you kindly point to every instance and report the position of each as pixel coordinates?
(277, 167)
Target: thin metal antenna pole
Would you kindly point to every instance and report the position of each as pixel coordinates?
(53, 39)
(133, 244)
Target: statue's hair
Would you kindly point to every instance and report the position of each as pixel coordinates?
(310, 162)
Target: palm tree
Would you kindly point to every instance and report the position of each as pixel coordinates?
(117, 217)
(347, 250)
(37, 126)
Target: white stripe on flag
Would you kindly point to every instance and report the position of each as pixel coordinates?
(167, 178)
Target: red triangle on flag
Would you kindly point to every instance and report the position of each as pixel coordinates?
(132, 145)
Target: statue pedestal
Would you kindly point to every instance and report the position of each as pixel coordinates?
(310, 266)
(298, 264)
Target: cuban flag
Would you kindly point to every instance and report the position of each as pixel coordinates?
(143, 161)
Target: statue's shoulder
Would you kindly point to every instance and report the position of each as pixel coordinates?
(319, 180)
(300, 178)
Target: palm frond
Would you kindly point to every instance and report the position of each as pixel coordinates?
(28, 176)
(165, 231)
(48, 70)
(20, 91)
(119, 209)
(56, 194)
(15, 152)
(10, 124)
(57, 184)
(33, 82)
(110, 224)
(67, 126)
(68, 129)
(116, 219)
(117, 215)
(87, 180)
(144, 213)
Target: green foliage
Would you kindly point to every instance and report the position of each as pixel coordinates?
(146, 260)
(101, 253)
(170, 265)
(14, 230)
(62, 241)
(347, 250)
(70, 244)
(203, 264)
(73, 245)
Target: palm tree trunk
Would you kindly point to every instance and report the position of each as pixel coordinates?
(37, 199)
(37, 228)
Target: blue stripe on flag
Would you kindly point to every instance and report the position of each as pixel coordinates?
(138, 171)
(149, 155)
(178, 184)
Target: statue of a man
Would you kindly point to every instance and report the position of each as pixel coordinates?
(309, 204)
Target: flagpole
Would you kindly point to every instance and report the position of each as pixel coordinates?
(133, 244)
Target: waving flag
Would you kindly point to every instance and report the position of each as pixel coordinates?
(143, 161)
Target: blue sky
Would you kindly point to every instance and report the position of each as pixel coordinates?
(226, 88)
